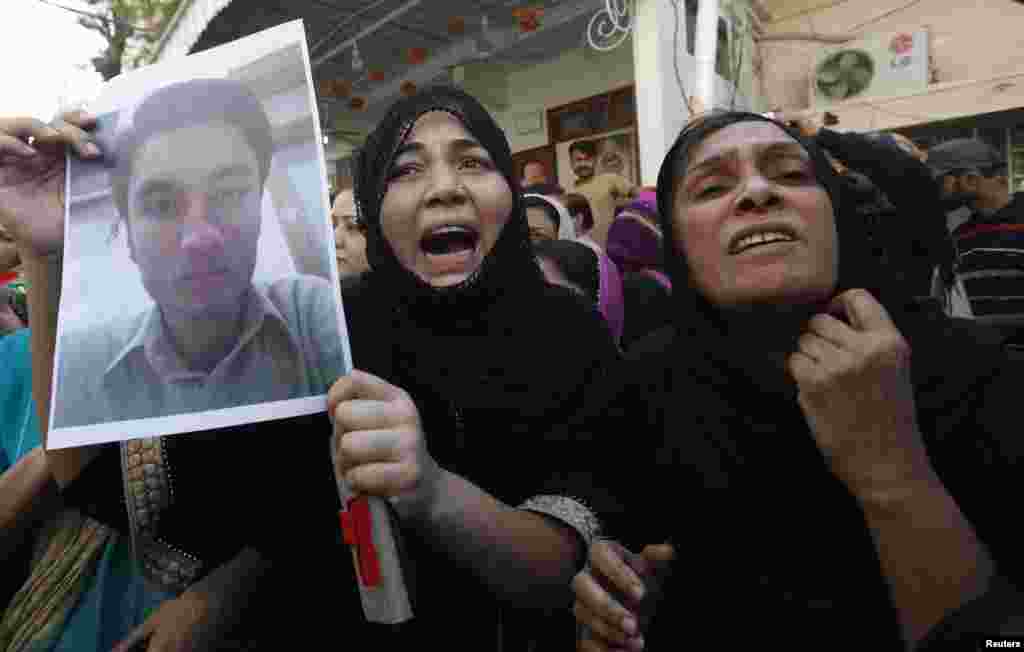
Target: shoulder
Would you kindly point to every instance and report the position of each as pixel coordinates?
(15, 346)
(566, 324)
(299, 288)
(92, 349)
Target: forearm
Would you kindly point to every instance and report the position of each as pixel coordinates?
(521, 555)
(28, 494)
(43, 274)
(929, 553)
(905, 181)
(230, 585)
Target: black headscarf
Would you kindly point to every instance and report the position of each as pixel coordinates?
(577, 261)
(478, 359)
(757, 474)
(510, 260)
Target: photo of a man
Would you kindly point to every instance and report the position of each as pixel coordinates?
(603, 171)
(214, 338)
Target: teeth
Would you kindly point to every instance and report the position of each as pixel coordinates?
(761, 238)
(451, 229)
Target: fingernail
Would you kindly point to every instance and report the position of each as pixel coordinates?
(27, 150)
(638, 591)
(90, 150)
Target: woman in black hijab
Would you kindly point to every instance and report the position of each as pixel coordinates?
(456, 313)
(816, 485)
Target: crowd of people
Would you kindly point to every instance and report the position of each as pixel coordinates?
(766, 402)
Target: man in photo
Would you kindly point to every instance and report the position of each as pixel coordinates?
(605, 191)
(188, 167)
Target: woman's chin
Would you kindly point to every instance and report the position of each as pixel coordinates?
(448, 280)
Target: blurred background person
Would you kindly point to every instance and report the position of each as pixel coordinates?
(604, 191)
(615, 156)
(349, 236)
(9, 259)
(579, 211)
(587, 271)
(10, 319)
(542, 216)
(635, 245)
(535, 172)
(990, 243)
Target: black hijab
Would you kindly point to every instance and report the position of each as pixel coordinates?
(509, 263)
(775, 532)
(478, 359)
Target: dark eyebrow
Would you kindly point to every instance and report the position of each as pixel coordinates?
(459, 144)
(774, 150)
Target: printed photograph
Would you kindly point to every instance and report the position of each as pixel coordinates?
(200, 291)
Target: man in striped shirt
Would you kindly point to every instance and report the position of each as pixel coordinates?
(990, 244)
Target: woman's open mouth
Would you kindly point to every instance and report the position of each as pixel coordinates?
(451, 249)
(762, 237)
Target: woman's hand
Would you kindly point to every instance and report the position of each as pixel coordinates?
(854, 387)
(185, 624)
(32, 177)
(379, 444)
(617, 594)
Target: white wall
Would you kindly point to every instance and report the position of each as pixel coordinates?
(660, 49)
(575, 74)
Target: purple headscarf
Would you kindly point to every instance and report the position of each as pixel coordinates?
(634, 243)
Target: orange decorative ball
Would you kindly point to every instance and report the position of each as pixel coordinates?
(457, 25)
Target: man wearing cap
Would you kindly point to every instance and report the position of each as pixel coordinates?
(990, 243)
(189, 165)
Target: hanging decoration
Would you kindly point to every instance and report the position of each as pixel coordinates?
(528, 18)
(456, 25)
(357, 103)
(610, 26)
(407, 88)
(416, 56)
(375, 75)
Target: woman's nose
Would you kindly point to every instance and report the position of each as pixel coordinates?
(758, 193)
(446, 184)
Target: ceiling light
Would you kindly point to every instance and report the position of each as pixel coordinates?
(357, 60)
(484, 45)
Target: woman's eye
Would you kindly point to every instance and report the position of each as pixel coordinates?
(475, 163)
(710, 190)
(795, 175)
(403, 170)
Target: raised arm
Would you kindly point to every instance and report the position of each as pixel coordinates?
(32, 211)
(522, 555)
(854, 388)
